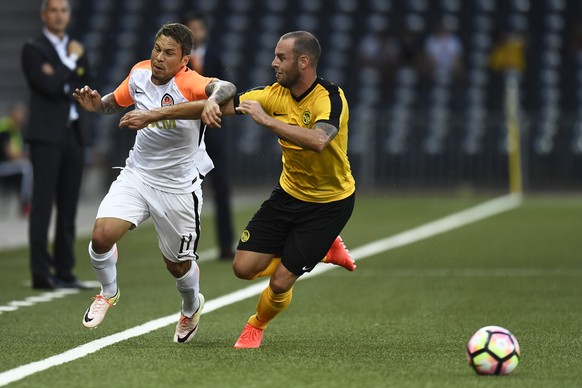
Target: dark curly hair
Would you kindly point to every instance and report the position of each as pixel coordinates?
(180, 33)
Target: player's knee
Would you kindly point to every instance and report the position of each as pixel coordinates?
(242, 271)
(279, 286)
(100, 240)
(100, 244)
(178, 270)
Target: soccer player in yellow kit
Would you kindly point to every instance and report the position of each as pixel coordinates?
(297, 225)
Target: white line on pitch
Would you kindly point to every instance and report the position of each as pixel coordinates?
(479, 212)
(49, 296)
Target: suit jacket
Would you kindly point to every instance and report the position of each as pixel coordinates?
(212, 65)
(50, 99)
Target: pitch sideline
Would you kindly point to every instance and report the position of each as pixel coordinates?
(442, 225)
(49, 296)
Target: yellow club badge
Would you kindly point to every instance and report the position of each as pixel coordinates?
(306, 118)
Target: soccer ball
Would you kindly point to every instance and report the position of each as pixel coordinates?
(493, 350)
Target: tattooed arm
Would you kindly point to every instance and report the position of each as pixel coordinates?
(220, 91)
(91, 101)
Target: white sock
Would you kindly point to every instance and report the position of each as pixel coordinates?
(104, 266)
(188, 286)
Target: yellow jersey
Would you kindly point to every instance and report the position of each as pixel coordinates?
(308, 175)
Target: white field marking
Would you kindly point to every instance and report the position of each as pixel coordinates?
(33, 300)
(442, 225)
(476, 273)
(49, 296)
(456, 220)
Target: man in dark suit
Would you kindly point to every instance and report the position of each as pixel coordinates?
(206, 60)
(54, 65)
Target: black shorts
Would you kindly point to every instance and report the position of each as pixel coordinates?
(299, 232)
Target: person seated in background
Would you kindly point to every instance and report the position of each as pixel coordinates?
(15, 168)
(444, 52)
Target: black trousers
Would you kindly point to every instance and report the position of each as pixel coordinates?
(218, 178)
(57, 171)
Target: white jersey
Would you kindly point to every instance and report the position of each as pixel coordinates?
(169, 155)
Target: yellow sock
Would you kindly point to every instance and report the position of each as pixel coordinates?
(270, 268)
(269, 306)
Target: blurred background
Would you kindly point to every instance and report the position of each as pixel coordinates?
(426, 82)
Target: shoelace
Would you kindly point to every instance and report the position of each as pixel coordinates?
(185, 323)
(99, 304)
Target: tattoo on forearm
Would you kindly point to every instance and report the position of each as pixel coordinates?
(109, 105)
(221, 91)
(329, 129)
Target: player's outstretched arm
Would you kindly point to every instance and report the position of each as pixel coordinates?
(138, 119)
(219, 93)
(91, 101)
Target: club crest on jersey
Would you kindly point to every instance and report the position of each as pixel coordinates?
(306, 117)
(167, 100)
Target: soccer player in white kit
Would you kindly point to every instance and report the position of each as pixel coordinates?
(162, 175)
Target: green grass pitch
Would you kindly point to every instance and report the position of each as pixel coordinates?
(402, 319)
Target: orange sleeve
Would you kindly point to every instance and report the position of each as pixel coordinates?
(193, 85)
(121, 94)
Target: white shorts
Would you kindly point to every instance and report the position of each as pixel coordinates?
(176, 216)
